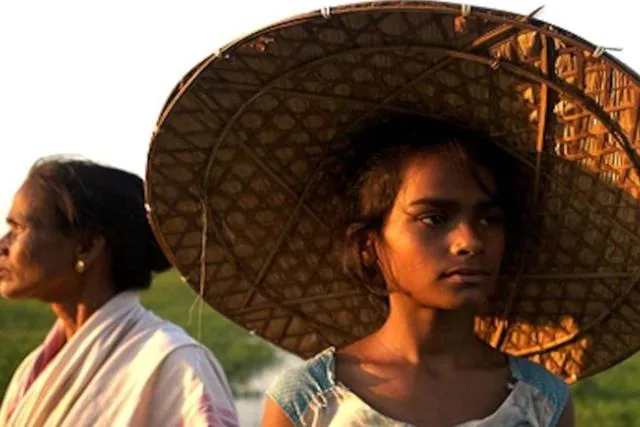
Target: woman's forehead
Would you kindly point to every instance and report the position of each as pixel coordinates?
(31, 204)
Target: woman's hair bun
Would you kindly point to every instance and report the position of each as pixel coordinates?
(158, 261)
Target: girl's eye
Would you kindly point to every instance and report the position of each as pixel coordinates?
(434, 220)
(493, 219)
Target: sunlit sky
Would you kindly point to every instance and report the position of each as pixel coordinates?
(89, 78)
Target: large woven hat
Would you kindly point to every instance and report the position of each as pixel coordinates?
(238, 172)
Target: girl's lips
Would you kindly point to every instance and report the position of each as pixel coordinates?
(467, 278)
(466, 271)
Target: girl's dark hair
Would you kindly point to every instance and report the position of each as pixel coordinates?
(96, 199)
(376, 166)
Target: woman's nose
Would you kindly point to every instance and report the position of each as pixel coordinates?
(4, 245)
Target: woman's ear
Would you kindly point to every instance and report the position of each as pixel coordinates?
(90, 248)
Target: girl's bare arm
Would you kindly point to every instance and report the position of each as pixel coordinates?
(274, 416)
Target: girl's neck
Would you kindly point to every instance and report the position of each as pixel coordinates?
(442, 339)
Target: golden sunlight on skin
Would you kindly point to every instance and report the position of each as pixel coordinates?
(442, 222)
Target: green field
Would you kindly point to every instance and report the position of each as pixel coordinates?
(611, 399)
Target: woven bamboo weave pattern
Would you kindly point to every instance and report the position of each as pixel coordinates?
(254, 133)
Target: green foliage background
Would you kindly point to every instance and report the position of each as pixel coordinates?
(611, 399)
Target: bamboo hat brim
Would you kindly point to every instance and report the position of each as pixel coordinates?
(237, 171)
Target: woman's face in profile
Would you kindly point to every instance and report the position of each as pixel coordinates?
(36, 259)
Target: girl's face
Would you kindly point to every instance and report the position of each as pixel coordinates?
(444, 238)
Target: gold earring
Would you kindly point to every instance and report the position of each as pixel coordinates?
(80, 266)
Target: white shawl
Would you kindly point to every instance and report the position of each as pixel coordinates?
(124, 367)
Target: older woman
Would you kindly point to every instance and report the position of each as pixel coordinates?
(79, 241)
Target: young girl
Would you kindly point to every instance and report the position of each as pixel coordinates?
(441, 276)
(435, 209)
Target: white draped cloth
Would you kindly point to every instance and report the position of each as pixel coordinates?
(123, 367)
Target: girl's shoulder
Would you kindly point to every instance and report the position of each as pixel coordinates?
(548, 386)
(297, 389)
(539, 377)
